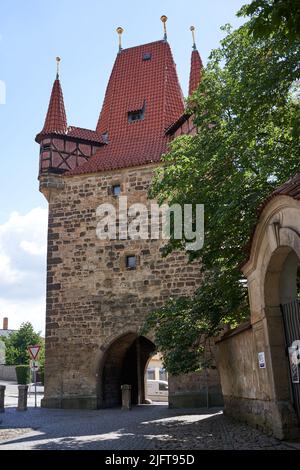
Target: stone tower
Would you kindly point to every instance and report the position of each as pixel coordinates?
(100, 291)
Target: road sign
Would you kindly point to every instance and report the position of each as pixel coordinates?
(34, 351)
(34, 365)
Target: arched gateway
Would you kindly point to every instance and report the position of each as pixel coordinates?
(123, 362)
(262, 386)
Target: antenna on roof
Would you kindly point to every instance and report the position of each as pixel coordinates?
(120, 31)
(164, 20)
(192, 28)
(58, 59)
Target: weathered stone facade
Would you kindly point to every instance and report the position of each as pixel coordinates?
(92, 299)
(96, 305)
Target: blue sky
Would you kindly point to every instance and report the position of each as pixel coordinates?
(32, 34)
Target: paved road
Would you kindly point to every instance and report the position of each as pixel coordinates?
(150, 427)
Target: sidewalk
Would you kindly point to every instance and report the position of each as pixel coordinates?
(11, 394)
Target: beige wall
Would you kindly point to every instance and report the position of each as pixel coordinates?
(263, 396)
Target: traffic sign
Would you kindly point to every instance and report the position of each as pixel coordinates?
(34, 365)
(34, 351)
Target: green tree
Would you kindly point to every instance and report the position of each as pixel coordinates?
(17, 343)
(269, 15)
(247, 113)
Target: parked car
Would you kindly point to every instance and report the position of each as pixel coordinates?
(157, 390)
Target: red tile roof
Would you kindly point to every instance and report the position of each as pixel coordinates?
(196, 71)
(56, 120)
(84, 134)
(134, 82)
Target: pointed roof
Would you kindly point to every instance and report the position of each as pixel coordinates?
(196, 71)
(143, 78)
(56, 120)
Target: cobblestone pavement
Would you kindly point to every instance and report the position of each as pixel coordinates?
(150, 427)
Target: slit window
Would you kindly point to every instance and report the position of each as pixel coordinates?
(46, 147)
(131, 262)
(116, 190)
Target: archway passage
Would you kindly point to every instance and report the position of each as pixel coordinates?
(283, 315)
(124, 363)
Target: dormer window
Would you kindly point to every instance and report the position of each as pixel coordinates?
(147, 56)
(136, 114)
(105, 137)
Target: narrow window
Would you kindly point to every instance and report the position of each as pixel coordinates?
(131, 262)
(163, 374)
(151, 374)
(116, 190)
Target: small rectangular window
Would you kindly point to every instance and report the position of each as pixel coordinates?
(116, 190)
(131, 262)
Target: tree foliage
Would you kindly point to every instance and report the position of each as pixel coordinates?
(16, 344)
(269, 15)
(247, 113)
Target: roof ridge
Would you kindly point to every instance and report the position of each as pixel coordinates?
(142, 45)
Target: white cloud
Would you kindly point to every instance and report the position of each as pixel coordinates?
(23, 244)
(34, 248)
(21, 311)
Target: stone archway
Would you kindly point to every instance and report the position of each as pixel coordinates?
(123, 362)
(280, 289)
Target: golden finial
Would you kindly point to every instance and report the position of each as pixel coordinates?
(164, 20)
(192, 28)
(120, 31)
(58, 59)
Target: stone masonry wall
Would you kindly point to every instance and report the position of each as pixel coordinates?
(91, 297)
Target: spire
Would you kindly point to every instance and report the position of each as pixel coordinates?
(192, 28)
(164, 20)
(56, 121)
(196, 66)
(58, 59)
